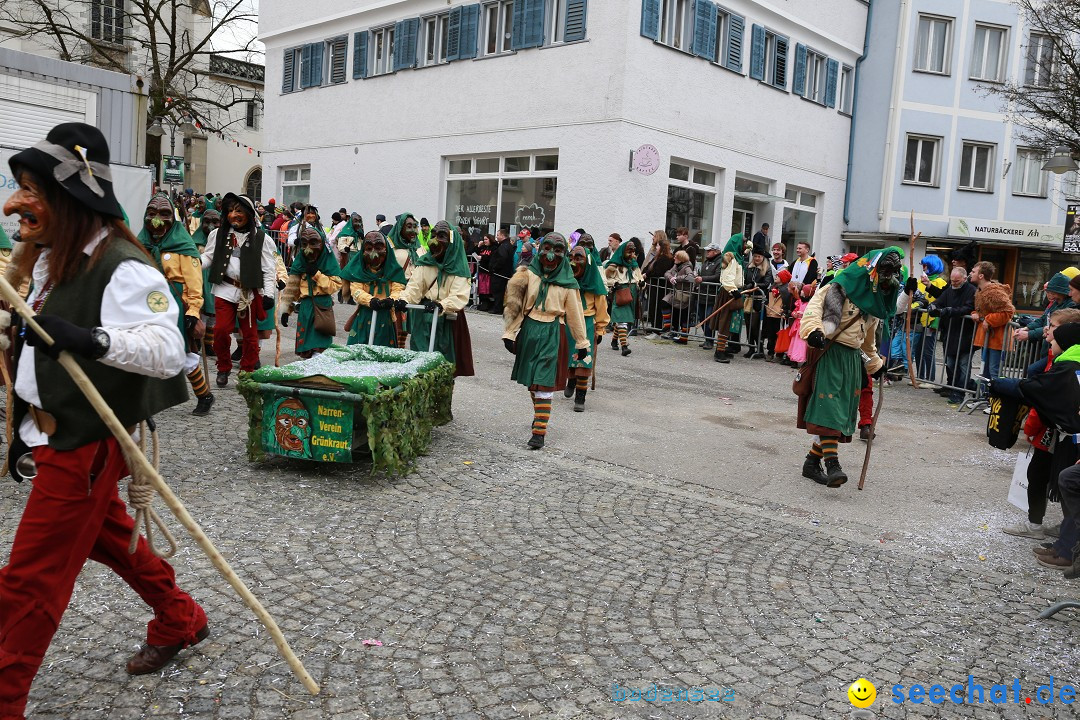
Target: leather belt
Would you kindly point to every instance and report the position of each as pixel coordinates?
(232, 281)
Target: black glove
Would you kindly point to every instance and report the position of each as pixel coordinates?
(933, 311)
(431, 306)
(401, 305)
(510, 345)
(816, 339)
(280, 284)
(284, 319)
(66, 336)
(268, 302)
(879, 373)
(911, 286)
(380, 304)
(189, 325)
(582, 353)
(736, 293)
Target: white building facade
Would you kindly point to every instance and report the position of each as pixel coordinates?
(929, 139)
(555, 114)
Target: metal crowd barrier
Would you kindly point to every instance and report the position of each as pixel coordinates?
(701, 304)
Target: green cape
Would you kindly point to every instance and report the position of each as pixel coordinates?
(562, 275)
(859, 280)
(736, 245)
(178, 240)
(326, 264)
(397, 242)
(5, 244)
(349, 232)
(593, 281)
(200, 237)
(454, 261)
(618, 259)
(390, 272)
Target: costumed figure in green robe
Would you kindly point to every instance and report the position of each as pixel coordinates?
(441, 282)
(376, 282)
(403, 241)
(585, 262)
(841, 323)
(208, 223)
(538, 302)
(348, 243)
(175, 254)
(624, 281)
(313, 279)
(741, 247)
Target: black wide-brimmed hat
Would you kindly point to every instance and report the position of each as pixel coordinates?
(76, 156)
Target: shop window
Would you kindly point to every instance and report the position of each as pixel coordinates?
(1028, 176)
(976, 161)
(433, 38)
(487, 165)
(1033, 269)
(296, 185)
(1040, 60)
(742, 218)
(798, 226)
(460, 167)
(988, 53)
(547, 162)
(933, 44)
(679, 172)
(921, 160)
(516, 164)
(691, 200)
(505, 192)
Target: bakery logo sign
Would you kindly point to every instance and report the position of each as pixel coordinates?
(1003, 231)
(530, 216)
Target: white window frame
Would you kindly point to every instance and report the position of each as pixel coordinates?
(1028, 162)
(301, 179)
(439, 25)
(503, 13)
(1035, 65)
(846, 89)
(555, 20)
(297, 53)
(381, 63)
(501, 176)
(978, 64)
(677, 24)
(723, 29)
(926, 64)
(770, 59)
(816, 76)
(935, 167)
(971, 182)
(251, 115)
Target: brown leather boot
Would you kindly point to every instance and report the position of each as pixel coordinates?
(151, 658)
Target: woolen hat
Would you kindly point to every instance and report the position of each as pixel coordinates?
(1058, 284)
(784, 277)
(76, 156)
(1067, 335)
(1075, 282)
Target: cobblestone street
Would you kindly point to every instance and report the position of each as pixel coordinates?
(664, 537)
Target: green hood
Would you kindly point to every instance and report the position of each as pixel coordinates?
(200, 237)
(326, 264)
(562, 275)
(594, 280)
(398, 242)
(454, 261)
(5, 243)
(617, 258)
(860, 282)
(177, 241)
(736, 245)
(349, 232)
(390, 272)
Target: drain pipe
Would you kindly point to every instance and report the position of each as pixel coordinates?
(855, 111)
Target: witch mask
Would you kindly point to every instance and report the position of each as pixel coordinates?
(159, 217)
(374, 251)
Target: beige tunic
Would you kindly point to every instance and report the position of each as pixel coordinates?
(452, 294)
(560, 303)
(859, 334)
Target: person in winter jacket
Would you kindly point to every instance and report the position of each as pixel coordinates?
(681, 279)
(757, 281)
(1057, 297)
(706, 281)
(993, 311)
(953, 307)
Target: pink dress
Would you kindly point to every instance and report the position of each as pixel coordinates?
(797, 349)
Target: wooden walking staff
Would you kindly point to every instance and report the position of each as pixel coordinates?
(717, 311)
(142, 472)
(907, 320)
(873, 430)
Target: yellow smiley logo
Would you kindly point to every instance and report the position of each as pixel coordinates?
(862, 693)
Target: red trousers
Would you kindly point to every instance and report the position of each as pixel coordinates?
(225, 319)
(866, 405)
(74, 513)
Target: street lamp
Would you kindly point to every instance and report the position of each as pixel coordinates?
(157, 129)
(1062, 161)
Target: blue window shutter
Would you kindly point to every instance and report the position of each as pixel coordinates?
(412, 27)
(733, 52)
(305, 66)
(799, 84)
(574, 21)
(705, 29)
(757, 52)
(528, 24)
(780, 53)
(453, 33)
(470, 28)
(405, 32)
(650, 19)
(288, 75)
(359, 61)
(832, 68)
(399, 44)
(316, 63)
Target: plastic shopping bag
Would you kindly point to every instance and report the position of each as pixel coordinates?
(1019, 485)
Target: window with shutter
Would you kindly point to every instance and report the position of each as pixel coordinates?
(383, 50)
(780, 59)
(339, 48)
(470, 28)
(757, 52)
(288, 74)
(503, 26)
(360, 55)
(405, 33)
(574, 23)
(305, 67)
(316, 64)
(453, 33)
(736, 30)
(650, 19)
(798, 86)
(705, 29)
(832, 69)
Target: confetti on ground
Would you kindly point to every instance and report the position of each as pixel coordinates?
(376, 643)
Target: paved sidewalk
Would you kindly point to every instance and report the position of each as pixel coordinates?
(504, 583)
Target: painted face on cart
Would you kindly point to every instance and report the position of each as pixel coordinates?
(159, 218)
(374, 251)
(552, 251)
(579, 260)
